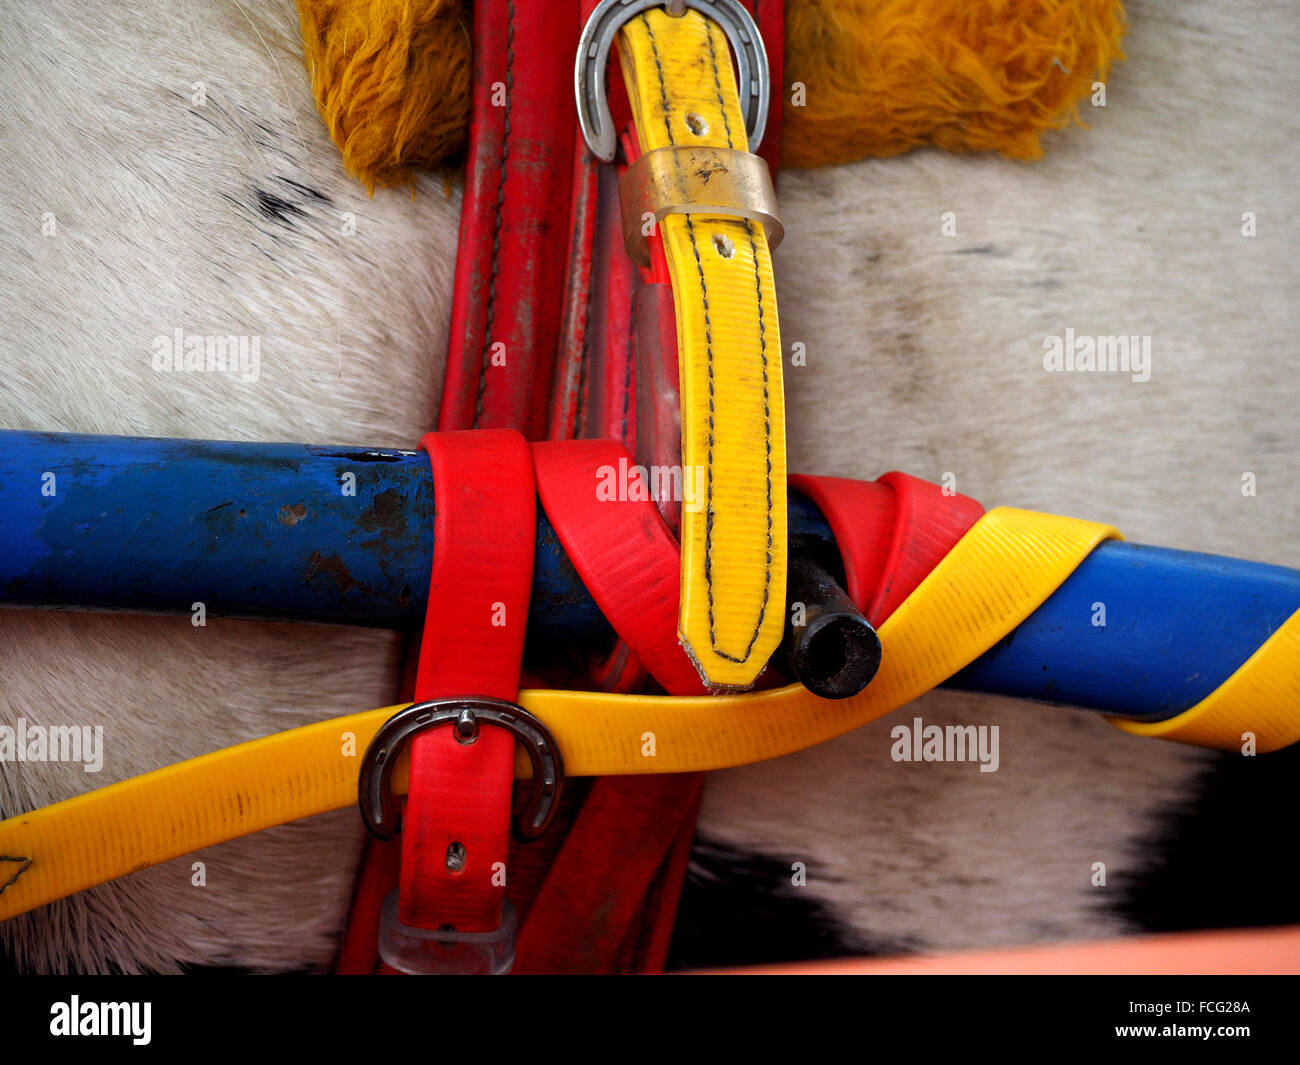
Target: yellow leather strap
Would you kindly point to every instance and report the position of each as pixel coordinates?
(994, 578)
(682, 87)
(1258, 705)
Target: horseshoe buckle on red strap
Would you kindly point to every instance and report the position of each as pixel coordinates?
(377, 765)
(415, 950)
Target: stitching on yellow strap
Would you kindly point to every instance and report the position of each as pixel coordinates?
(729, 345)
(996, 576)
(1261, 698)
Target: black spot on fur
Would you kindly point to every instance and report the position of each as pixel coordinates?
(306, 190)
(739, 907)
(984, 249)
(1223, 856)
(278, 209)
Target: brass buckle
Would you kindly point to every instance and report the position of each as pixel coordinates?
(753, 77)
(712, 181)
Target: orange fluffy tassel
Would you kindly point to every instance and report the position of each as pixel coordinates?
(883, 76)
(391, 80)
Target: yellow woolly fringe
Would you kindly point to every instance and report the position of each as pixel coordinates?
(883, 76)
(391, 80)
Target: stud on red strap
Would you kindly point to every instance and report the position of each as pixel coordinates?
(456, 827)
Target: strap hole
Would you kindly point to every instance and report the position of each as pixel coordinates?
(696, 124)
(722, 244)
(455, 857)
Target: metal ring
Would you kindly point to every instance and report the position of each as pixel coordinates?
(374, 786)
(593, 57)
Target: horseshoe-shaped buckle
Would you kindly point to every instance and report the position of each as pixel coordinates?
(598, 38)
(467, 712)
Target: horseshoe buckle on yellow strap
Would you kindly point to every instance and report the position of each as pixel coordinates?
(598, 38)
(713, 206)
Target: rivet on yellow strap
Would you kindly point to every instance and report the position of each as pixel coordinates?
(994, 578)
(1259, 704)
(682, 88)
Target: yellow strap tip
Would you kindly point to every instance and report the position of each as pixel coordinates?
(1254, 711)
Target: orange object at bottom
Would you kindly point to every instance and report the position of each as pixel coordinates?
(1261, 952)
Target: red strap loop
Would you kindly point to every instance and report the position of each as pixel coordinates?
(891, 532)
(485, 533)
(621, 548)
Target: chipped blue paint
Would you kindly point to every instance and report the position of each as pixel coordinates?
(249, 530)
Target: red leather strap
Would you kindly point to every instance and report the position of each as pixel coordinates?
(861, 515)
(611, 401)
(621, 549)
(891, 533)
(508, 296)
(569, 392)
(592, 382)
(380, 861)
(485, 532)
(510, 264)
(603, 877)
(651, 949)
(928, 521)
(615, 863)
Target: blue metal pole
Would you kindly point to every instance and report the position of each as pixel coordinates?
(1139, 631)
(345, 535)
(329, 534)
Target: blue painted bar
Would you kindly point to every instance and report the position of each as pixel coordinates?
(1139, 631)
(276, 531)
(290, 531)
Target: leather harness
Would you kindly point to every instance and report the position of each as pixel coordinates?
(533, 177)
